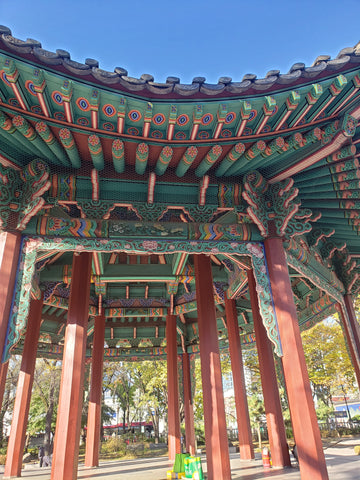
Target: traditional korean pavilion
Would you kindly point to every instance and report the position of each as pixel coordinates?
(162, 220)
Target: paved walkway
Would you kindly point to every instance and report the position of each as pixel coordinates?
(342, 464)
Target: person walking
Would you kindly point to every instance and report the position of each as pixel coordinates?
(41, 455)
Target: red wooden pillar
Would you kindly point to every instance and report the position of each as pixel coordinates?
(16, 443)
(352, 334)
(352, 319)
(173, 388)
(274, 418)
(217, 450)
(3, 373)
(188, 407)
(67, 433)
(306, 430)
(9, 257)
(94, 411)
(242, 410)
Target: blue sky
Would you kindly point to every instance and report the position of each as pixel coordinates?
(188, 38)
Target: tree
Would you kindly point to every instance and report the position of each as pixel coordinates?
(123, 391)
(151, 380)
(328, 361)
(198, 392)
(117, 380)
(9, 392)
(256, 411)
(254, 389)
(42, 413)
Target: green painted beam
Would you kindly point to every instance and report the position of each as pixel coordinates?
(142, 155)
(69, 144)
(118, 155)
(176, 260)
(24, 127)
(96, 152)
(230, 158)
(45, 133)
(186, 161)
(138, 278)
(14, 135)
(209, 160)
(129, 273)
(164, 159)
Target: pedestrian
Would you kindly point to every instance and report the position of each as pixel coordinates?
(294, 452)
(41, 455)
(47, 461)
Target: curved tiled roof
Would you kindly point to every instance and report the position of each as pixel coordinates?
(323, 66)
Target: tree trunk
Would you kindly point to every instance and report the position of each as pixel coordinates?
(48, 420)
(2, 428)
(155, 418)
(128, 418)
(259, 434)
(6, 406)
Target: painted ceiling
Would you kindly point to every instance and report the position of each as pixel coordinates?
(122, 150)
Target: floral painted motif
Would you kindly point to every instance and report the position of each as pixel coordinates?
(33, 245)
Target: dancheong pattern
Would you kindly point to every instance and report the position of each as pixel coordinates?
(31, 246)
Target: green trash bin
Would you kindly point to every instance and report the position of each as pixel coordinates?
(179, 465)
(193, 468)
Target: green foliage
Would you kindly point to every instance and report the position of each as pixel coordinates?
(251, 363)
(198, 396)
(256, 408)
(9, 393)
(150, 378)
(139, 389)
(106, 414)
(329, 366)
(42, 414)
(114, 445)
(323, 411)
(119, 381)
(33, 451)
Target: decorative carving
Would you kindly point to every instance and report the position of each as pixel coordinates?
(100, 286)
(229, 195)
(347, 269)
(63, 187)
(318, 317)
(272, 207)
(317, 279)
(172, 288)
(330, 247)
(317, 236)
(77, 227)
(201, 213)
(312, 262)
(32, 245)
(300, 252)
(237, 282)
(349, 125)
(95, 208)
(21, 193)
(138, 302)
(150, 211)
(65, 227)
(49, 289)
